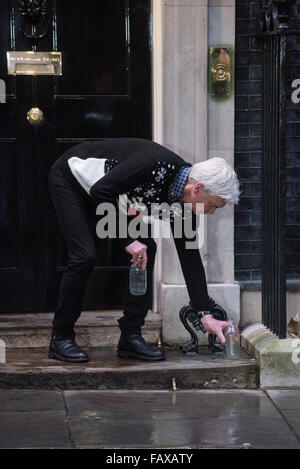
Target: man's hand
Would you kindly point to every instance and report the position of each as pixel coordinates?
(139, 253)
(213, 326)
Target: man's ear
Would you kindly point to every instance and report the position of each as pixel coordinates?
(198, 186)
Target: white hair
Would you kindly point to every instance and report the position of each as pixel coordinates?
(218, 178)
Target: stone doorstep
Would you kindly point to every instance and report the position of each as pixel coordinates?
(278, 359)
(27, 365)
(93, 329)
(32, 369)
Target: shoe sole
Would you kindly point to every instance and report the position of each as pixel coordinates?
(64, 359)
(124, 354)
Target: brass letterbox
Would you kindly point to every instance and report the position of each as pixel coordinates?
(33, 63)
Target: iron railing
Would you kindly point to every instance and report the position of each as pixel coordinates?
(274, 29)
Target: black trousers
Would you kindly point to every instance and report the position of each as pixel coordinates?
(74, 211)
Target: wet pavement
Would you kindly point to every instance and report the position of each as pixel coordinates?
(149, 419)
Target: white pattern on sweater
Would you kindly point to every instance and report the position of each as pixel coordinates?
(87, 172)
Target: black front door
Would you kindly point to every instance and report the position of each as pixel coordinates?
(104, 91)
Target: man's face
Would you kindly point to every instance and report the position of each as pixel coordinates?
(211, 202)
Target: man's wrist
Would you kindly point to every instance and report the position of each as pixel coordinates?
(204, 314)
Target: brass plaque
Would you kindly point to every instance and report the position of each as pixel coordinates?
(34, 63)
(220, 72)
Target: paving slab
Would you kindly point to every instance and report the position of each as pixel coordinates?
(285, 399)
(33, 419)
(293, 417)
(194, 419)
(32, 369)
(33, 430)
(288, 402)
(20, 400)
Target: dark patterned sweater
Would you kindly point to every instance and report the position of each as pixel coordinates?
(144, 171)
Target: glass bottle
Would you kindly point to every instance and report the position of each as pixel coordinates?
(232, 350)
(137, 280)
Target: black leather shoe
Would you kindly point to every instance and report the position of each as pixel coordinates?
(134, 346)
(67, 351)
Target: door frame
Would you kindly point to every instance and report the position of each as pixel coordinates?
(157, 123)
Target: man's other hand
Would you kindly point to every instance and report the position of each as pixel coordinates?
(138, 251)
(214, 326)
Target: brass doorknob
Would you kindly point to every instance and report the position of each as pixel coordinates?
(35, 116)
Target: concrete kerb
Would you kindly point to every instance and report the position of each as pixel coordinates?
(278, 359)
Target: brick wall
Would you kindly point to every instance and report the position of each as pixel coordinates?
(248, 148)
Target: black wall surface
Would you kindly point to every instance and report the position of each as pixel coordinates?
(248, 148)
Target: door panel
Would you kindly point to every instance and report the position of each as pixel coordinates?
(104, 91)
(96, 51)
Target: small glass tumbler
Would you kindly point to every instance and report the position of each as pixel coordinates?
(232, 349)
(137, 281)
